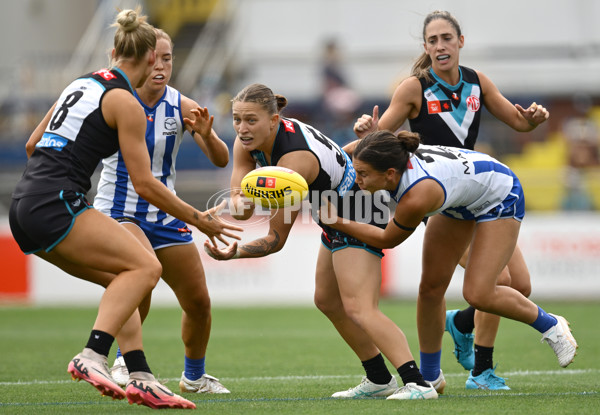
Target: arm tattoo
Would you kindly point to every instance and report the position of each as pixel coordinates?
(261, 246)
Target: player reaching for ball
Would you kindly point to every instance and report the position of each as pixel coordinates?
(443, 102)
(96, 115)
(470, 198)
(348, 274)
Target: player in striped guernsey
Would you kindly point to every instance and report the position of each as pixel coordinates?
(443, 102)
(471, 198)
(169, 114)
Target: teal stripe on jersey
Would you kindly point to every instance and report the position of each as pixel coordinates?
(459, 112)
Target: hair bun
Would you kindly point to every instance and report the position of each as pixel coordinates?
(128, 20)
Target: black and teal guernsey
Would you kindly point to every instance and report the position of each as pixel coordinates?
(76, 138)
(449, 114)
(336, 171)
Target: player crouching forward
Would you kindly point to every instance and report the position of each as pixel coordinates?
(348, 271)
(469, 197)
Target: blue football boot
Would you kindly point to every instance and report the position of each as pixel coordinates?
(487, 380)
(463, 343)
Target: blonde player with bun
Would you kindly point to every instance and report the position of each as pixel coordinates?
(95, 116)
(443, 102)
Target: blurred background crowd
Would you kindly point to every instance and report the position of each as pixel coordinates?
(333, 60)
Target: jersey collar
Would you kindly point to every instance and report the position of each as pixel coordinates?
(446, 84)
(124, 76)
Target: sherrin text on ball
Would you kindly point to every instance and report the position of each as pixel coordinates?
(274, 187)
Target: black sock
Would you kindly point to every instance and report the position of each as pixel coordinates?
(409, 372)
(135, 361)
(464, 320)
(100, 342)
(377, 371)
(483, 359)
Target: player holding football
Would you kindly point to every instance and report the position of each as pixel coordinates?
(348, 274)
(443, 102)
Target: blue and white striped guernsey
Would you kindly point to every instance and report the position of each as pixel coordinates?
(474, 183)
(116, 196)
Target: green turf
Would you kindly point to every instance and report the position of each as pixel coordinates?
(289, 361)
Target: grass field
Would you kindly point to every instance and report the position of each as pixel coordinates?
(289, 361)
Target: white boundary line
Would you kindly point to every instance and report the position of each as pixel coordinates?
(323, 377)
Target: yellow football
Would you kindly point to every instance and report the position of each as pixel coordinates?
(274, 187)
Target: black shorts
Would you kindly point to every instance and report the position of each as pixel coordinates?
(42, 221)
(357, 206)
(336, 240)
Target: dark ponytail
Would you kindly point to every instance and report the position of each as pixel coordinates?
(383, 150)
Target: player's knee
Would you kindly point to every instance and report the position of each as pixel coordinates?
(475, 298)
(431, 291)
(330, 307)
(199, 313)
(504, 279)
(153, 269)
(196, 305)
(323, 306)
(475, 302)
(355, 312)
(523, 288)
(147, 275)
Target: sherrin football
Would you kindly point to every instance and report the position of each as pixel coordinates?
(274, 187)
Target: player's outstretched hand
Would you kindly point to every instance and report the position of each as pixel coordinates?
(212, 226)
(367, 123)
(535, 114)
(224, 254)
(202, 123)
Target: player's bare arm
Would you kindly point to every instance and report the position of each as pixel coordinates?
(36, 136)
(241, 207)
(302, 162)
(515, 116)
(349, 148)
(280, 225)
(426, 196)
(405, 104)
(122, 111)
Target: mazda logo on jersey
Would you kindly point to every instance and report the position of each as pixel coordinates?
(170, 123)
